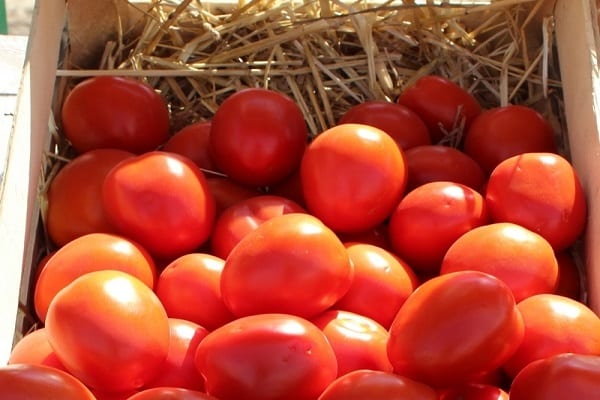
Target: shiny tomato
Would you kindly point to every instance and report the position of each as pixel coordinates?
(91, 252)
(506, 131)
(454, 328)
(521, 258)
(115, 112)
(162, 201)
(401, 123)
(554, 324)
(267, 356)
(542, 192)
(109, 330)
(172, 393)
(192, 141)
(40, 382)
(290, 264)
(258, 136)
(569, 276)
(377, 385)
(34, 348)
(74, 196)
(377, 236)
(474, 391)
(430, 218)
(227, 192)
(443, 105)
(189, 288)
(353, 176)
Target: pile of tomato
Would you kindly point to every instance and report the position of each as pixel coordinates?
(419, 249)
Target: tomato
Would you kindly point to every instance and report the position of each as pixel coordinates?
(114, 395)
(454, 328)
(189, 288)
(542, 192)
(73, 197)
(192, 141)
(569, 276)
(521, 258)
(34, 348)
(377, 236)
(381, 284)
(258, 136)
(91, 252)
(353, 176)
(357, 341)
(442, 163)
(109, 330)
(290, 188)
(115, 112)
(563, 376)
(377, 385)
(401, 123)
(554, 324)
(475, 391)
(290, 264)
(165, 393)
(506, 131)
(28, 381)
(443, 105)
(430, 218)
(162, 201)
(227, 192)
(267, 356)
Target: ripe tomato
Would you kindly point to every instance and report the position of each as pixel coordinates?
(189, 288)
(28, 381)
(401, 123)
(430, 218)
(165, 393)
(162, 201)
(34, 348)
(442, 105)
(290, 264)
(109, 330)
(91, 252)
(227, 192)
(554, 324)
(243, 217)
(258, 136)
(267, 356)
(115, 112)
(563, 376)
(192, 141)
(290, 188)
(74, 205)
(474, 391)
(506, 131)
(353, 176)
(377, 385)
(381, 284)
(569, 276)
(454, 328)
(377, 236)
(521, 258)
(542, 192)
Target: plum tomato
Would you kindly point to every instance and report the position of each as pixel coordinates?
(170, 393)
(474, 391)
(34, 348)
(192, 141)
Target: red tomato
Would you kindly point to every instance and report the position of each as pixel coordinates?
(554, 324)
(559, 377)
(569, 276)
(435, 214)
(357, 341)
(442, 163)
(454, 328)
(39, 382)
(290, 264)
(474, 391)
(521, 258)
(74, 205)
(381, 284)
(91, 252)
(267, 356)
(189, 288)
(113, 395)
(503, 132)
(34, 348)
(442, 105)
(109, 330)
(114, 112)
(353, 176)
(162, 201)
(401, 123)
(192, 142)
(227, 192)
(377, 236)
(165, 393)
(542, 192)
(258, 136)
(377, 385)
(290, 188)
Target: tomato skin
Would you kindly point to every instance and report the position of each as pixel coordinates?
(290, 264)
(425, 343)
(192, 141)
(115, 112)
(258, 136)
(29, 381)
(353, 176)
(227, 192)
(474, 391)
(243, 360)
(569, 276)
(165, 187)
(34, 348)
(173, 393)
